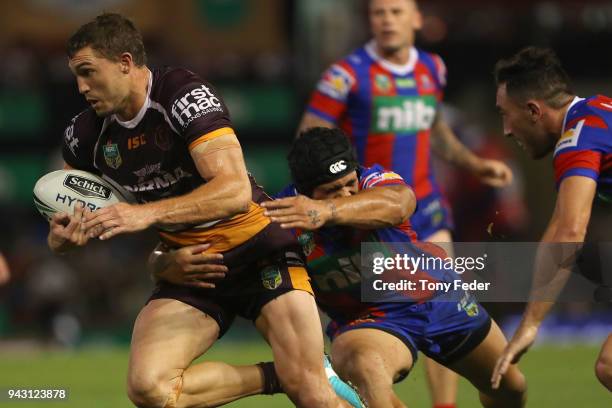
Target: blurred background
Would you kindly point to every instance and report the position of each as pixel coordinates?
(265, 57)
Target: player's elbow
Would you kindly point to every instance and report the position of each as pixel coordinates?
(574, 232)
(405, 202)
(241, 194)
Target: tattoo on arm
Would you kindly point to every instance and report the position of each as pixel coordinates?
(314, 217)
(334, 210)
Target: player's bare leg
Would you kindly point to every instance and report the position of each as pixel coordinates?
(371, 359)
(603, 367)
(442, 382)
(291, 325)
(478, 367)
(168, 336)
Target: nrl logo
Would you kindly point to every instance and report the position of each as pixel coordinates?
(87, 187)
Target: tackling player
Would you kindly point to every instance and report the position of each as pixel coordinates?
(386, 97)
(375, 344)
(543, 115)
(165, 136)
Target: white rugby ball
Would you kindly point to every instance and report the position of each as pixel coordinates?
(60, 190)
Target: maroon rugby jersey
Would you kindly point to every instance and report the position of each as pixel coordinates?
(149, 155)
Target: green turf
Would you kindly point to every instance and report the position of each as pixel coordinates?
(558, 378)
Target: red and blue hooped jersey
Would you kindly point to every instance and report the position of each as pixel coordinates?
(585, 147)
(334, 253)
(386, 109)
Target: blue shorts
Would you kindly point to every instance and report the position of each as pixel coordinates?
(433, 214)
(443, 331)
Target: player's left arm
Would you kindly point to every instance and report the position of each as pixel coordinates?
(226, 193)
(445, 144)
(5, 272)
(377, 207)
(554, 260)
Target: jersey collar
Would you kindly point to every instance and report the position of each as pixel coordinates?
(403, 69)
(567, 113)
(132, 123)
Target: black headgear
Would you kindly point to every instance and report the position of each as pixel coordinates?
(318, 156)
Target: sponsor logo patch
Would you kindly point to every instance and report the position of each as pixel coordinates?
(195, 104)
(405, 83)
(382, 83)
(87, 187)
(426, 83)
(271, 277)
(403, 114)
(337, 167)
(307, 242)
(469, 306)
(71, 141)
(376, 178)
(336, 83)
(161, 179)
(163, 137)
(570, 137)
(112, 155)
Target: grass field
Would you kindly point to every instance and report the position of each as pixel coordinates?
(558, 378)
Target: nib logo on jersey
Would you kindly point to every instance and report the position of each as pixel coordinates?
(403, 114)
(194, 104)
(87, 187)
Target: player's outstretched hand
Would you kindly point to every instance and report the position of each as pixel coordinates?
(494, 173)
(298, 212)
(117, 219)
(189, 266)
(5, 272)
(520, 343)
(66, 231)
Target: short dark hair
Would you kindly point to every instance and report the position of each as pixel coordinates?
(534, 73)
(111, 35)
(320, 155)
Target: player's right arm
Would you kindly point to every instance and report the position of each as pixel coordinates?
(328, 102)
(310, 120)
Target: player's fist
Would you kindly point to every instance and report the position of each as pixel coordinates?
(494, 173)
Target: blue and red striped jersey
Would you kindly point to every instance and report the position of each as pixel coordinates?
(386, 109)
(585, 147)
(335, 258)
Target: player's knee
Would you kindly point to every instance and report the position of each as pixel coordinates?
(147, 390)
(603, 371)
(361, 367)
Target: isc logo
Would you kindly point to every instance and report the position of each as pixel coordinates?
(136, 141)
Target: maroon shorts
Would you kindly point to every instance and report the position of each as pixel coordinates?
(266, 266)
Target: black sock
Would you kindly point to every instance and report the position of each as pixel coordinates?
(271, 383)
